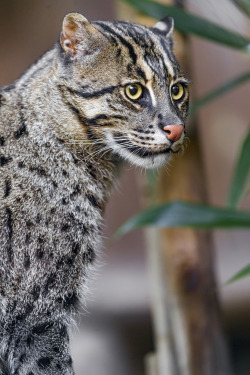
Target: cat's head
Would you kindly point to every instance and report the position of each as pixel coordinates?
(125, 86)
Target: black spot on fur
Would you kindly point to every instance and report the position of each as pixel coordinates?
(69, 260)
(29, 308)
(53, 210)
(40, 171)
(58, 366)
(22, 358)
(70, 300)
(50, 281)
(65, 227)
(40, 240)
(93, 174)
(64, 201)
(17, 342)
(84, 229)
(75, 248)
(69, 361)
(89, 256)
(42, 329)
(38, 219)
(30, 340)
(39, 254)
(30, 373)
(21, 165)
(20, 317)
(4, 160)
(56, 349)
(27, 238)
(65, 173)
(21, 132)
(60, 263)
(2, 141)
(92, 199)
(26, 261)
(44, 362)
(7, 187)
(75, 192)
(36, 292)
(29, 223)
(63, 331)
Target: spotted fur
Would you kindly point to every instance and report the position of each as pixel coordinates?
(65, 127)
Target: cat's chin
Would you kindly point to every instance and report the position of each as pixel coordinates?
(152, 161)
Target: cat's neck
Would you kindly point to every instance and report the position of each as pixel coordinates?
(51, 115)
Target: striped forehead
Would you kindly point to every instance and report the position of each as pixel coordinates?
(144, 47)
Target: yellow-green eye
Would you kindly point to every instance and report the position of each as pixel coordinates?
(133, 91)
(177, 91)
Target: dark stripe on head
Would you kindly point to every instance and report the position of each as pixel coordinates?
(170, 55)
(123, 41)
(141, 73)
(96, 94)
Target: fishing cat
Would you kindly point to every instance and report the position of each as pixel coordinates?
(106, 92)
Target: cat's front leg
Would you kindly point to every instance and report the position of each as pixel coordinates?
(39, 349)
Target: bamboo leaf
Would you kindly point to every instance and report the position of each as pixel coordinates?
(191, 24)
(244, 272)
(244, 5)
(218, 92)
(186, 214)
(241, 174)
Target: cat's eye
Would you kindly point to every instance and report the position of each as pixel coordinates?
(177, 91)
(133, 91)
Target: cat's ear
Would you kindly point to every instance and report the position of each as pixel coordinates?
(165, 27)
(79, 36)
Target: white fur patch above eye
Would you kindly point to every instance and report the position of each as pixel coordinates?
(151, 91)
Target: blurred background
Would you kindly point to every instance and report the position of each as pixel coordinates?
(115, 332)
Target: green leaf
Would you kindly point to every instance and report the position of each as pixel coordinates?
(244, 5)
(241, 174)
(185, 214)
(218, 92)
(244, 272)
(191, 24)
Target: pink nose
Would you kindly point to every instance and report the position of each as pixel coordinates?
(173, 132)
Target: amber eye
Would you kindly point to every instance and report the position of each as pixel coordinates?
(177, 91)
(133, 91)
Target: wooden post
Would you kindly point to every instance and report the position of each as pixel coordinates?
(184, 262)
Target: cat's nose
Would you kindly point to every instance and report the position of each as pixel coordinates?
(173, 132)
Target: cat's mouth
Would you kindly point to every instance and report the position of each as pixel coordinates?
(144, 152)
